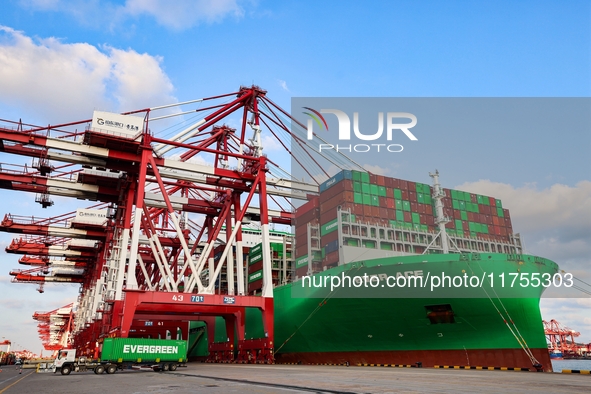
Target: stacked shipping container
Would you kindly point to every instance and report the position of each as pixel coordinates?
(384, 201)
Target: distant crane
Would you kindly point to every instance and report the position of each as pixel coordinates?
(561, 338)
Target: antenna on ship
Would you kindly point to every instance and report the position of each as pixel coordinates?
(440, 218)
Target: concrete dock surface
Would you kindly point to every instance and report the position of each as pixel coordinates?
(239, 378)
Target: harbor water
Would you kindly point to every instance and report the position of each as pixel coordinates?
(559, 365)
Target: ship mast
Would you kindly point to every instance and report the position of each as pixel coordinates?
(440, 219)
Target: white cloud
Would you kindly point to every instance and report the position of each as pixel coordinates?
(283, 85)
(66, 82)
(181, 14)
(270, 143)
(376, 169)
(560, 206)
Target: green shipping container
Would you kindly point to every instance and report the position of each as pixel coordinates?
(365, 188)
(398, 194)
(255, 276)
(484, 228)
(500, 213)
(416, 218)
(366, 199)
(479, 199)
(382, 191)
(375, 201)
(462, 205)
(356, 176)
(428, 199)
(373, 189)
(399, 216)
(357, 187)
(406, 205)
(364, 177)
(358, 198)
(420, 198)
(255, 254)
(143, 350)
(455, 204)
(329, 227)
(464, 215)
(459, 225)
(301, 261)
(499, 205)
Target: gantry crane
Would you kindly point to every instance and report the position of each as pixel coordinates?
(167, 206)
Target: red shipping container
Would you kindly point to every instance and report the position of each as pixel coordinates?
(451, 224)
(383, 202)
(414, 207)
(381, 180)
(492, 201)
(390, 203)
(330, 237)
(506, 213)
(471, 217)
(256, 285)
(389, 182)
(429, 210)
(421, 208)
(485, 209)
(423, 218)
(502, 222)
(389, 192)
(328, 216)
(448, 212)
(302, 271)
(473, 198)
(391, 214)
(412, 196)
(497, 230)
(405, 195)
(383, 212)
(457, 214)
(373, 179)
(495, 220)
(407, 216)
(257, 266)
(430, 220)
(367, 210)
(396, 183)
(313, 203)
(411, 186)
(403, 185)
(489, 220)
(375, 212)
(503, 231)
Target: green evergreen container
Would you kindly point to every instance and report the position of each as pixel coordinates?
(143, 350)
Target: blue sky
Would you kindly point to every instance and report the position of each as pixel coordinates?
(59, 60)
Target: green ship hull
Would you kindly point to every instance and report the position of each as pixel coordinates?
(480, 326)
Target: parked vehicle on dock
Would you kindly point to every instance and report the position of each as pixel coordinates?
(124, 353)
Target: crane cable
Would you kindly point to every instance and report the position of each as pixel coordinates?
(519, 338)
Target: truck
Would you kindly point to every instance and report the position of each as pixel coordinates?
(125, 353)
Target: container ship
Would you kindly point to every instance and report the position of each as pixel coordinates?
(362, 223)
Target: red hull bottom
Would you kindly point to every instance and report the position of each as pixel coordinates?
(509, 358)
